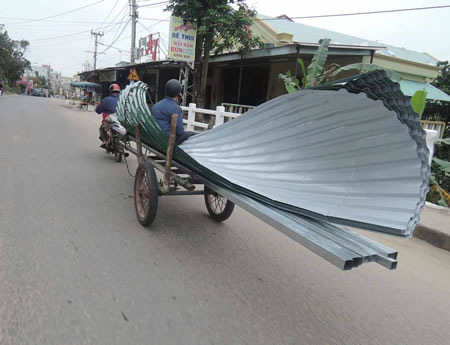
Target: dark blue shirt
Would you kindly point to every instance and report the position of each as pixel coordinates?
(108, 105)
(163, 111)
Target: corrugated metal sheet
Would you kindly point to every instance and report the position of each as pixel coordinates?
(353, 154)
(409, 87)
(343, 248)
(310, 34)
(333, 155)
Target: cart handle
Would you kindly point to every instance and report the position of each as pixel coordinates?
(170, 145)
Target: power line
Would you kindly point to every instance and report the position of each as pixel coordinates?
(109, 46)
(55, 21)
(155, 4)
(51, 44)
(57, 15)
(153, 32)
(116, 34)
(156, 19)
(68, 35)
(60, 30)
(122, 20)
(117, 1)
(106, 45)
(146, 28)
(359, 13)
(120, 12)
(62, 36)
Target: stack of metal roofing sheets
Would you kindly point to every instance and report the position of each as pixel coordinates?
(342, 247)
(351, 153)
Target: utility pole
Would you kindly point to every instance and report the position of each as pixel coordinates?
(96, 34)
(133, 30)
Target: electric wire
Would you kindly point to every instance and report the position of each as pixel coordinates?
(156, 4)
(115, 4)
(116, 34)
(57, 15)
(122, 20)
(122, 12)
(359, 13)
(147, 28)
(122, 50)
(115, 40)
(160, 20)
(68, 35)
(57, 21)
(154, 32)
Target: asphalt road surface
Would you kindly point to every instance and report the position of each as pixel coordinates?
(77, 268)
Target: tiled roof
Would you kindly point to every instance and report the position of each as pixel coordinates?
(310, 34)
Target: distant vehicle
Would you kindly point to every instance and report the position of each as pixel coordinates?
(36, 92)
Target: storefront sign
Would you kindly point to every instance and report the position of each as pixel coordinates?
(182, 35)
(148, 46)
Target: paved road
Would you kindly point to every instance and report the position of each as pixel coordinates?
(77, 268)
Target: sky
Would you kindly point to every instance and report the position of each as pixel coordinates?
(423, 31)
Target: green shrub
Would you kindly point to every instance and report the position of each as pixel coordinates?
(13, 90)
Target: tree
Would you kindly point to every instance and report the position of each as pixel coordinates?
(437, 110)
(443, 80)
(43, 81)
(12, 60)
(39, 81)
(221, 25)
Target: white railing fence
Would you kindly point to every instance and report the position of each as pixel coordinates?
(220, 116)
(438, 126)
(237, 108)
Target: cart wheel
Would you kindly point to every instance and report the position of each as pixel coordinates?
(219, 208)
(145, 194)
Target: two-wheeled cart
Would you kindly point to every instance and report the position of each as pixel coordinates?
(176, 180)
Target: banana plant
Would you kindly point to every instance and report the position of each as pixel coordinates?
(313, 74)
(365, 68)
(418, 101)
(315, 68)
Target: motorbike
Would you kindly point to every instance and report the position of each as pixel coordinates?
(115, 131)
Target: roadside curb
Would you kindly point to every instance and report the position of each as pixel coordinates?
(434, 237)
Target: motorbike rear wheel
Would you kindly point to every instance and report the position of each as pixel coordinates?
(118, 156)
(117, 150)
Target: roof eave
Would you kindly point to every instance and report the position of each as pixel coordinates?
(308, 49)
(409, 62)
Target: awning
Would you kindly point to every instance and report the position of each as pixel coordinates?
(84, 84)
(409, 87)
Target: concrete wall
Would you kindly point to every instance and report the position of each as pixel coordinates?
(407, 69)
(37, 71)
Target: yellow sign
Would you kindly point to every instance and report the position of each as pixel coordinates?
(183, 34)
(133, 75)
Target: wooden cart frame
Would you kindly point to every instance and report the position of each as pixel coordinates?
(147, 188)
